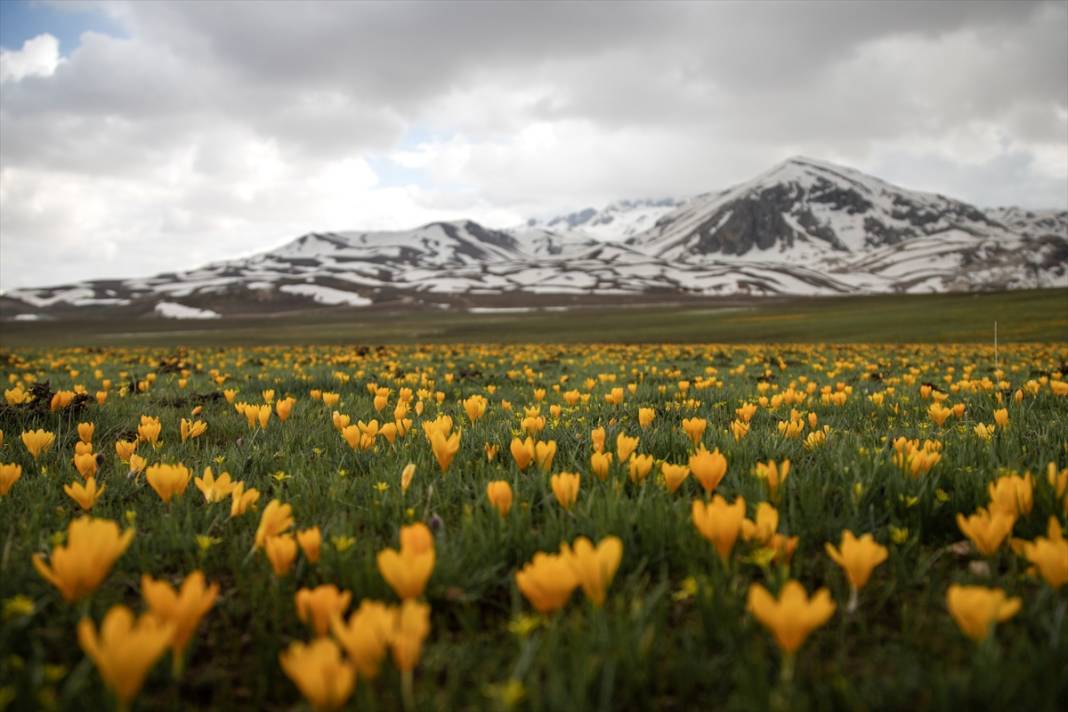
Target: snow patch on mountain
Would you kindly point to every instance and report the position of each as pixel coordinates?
(616, 221)
(174, 310)
(326, 295)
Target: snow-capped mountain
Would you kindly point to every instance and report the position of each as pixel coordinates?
(620, 220)
(803, 208)
(805, 227)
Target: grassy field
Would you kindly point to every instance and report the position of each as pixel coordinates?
(1035, 315)
(682, 624)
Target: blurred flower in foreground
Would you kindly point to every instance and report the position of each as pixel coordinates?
(324, 678)
(857, 557)
(594, 567)
(124, 650)
(311, 541)
(9, 475)
(276, 518)
(281, 551)
(565, 486)
(719, 522)
(92, 547)
(411, 625)
(1050, 555)
(408, 570)
(365, 636)
(318, 606)
(987, 530)
(499, 494)
(977, 608)
(547, 582)
(183, 608)
(793, 616)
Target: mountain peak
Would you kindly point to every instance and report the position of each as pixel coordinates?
(802, 169)
(813, 162)
(802, 207)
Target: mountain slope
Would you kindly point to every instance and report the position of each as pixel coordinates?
(803, 208)
(804, 227)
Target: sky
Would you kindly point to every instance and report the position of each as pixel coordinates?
(144, 137)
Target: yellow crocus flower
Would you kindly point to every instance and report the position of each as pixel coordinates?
(522, 452)
(475, 407)
(276, 519)
(977, 608)
(593, 567)
(281, 551)
(92, 547)
(791, 617)
(38, 442)
(674, 475)
(565, 486)
(499, 494)
(445, 448)
(773, 475)
(987, 529)
(241, 499)
(547, 582)
(319, 605)
(9, 475)
(85, 432)
(168, 480)
(1050, 555)
(215, 489)
(311, 541)
(762, 528)
(544, 452)
(319, 671)
(408, 570)
(858, 558)
(411, 625)
(719, 522)
(125, 448)
(182, 608)
(124, 650)
(625, 445)
(600, 463)
(639, 467)
(192, 429)
(694, 429)
(708, 467)
(365, 636)
(85, 495)
(1012, 495)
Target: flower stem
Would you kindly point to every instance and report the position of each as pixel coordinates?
(786, 674)
(407, 690)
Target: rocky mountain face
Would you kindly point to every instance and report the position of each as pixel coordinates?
(805, 227)
(802, 207)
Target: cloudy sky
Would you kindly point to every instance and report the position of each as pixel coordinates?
(139, 137)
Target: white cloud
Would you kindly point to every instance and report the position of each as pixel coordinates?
(38, 57)
(191, 139)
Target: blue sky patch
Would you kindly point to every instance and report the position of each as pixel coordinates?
(21, 20)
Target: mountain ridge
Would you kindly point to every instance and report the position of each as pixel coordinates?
(803, 227)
